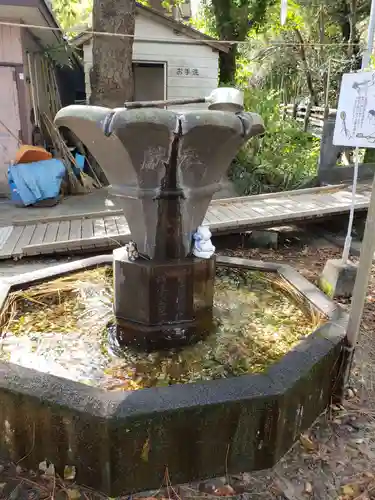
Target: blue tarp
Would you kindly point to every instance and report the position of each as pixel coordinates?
(33, 182)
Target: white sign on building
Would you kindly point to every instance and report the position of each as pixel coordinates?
(355, 119)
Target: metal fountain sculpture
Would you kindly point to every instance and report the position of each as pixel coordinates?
(164, 168)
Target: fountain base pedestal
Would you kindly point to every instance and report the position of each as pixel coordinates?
(162, 298)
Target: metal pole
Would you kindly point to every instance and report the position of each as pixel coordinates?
(368, 243)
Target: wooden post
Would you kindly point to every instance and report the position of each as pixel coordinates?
(307, 117)
(295, 109)
(328, 152)
(326, 100)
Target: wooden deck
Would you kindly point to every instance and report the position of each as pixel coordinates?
(103, 232)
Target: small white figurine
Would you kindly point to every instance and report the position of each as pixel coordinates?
(203, 248)
(132, 251)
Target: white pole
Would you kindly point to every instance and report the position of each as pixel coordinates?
(370, 38)
(368, 243)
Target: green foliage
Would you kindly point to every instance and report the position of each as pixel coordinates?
(72, 13)
(204, 19)
(309, 53)
(285, 158)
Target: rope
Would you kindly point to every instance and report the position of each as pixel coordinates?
(172, 40)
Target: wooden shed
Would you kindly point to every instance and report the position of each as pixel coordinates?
(28, 74)
(170, 59)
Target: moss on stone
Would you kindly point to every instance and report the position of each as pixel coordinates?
(326, 287)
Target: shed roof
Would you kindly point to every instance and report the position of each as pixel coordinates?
(171, 23)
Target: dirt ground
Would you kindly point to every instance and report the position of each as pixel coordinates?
(334, 460)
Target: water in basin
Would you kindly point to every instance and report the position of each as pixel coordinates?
(61, 327)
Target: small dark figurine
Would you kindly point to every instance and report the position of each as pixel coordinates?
(132, 251)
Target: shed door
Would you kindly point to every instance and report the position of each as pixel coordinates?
(148, 81)
(10, 116)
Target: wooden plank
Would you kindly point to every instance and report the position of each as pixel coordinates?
(111, 226)
(5, 232)
(63, 231)
(329, 201)
(222, 213)
(215, 214)
(258, 210)
(38, 235)
(24, 240)
(113, 232)
(99, 228)
(51, 232)
(235, 213)
(6, 251)
(75, 234)
(100, 234)
(87, 228)
(211, 215)
(59, 218)
(209, 219)
(280, 194)
(65, 246)
(244, 209)
(122, 225)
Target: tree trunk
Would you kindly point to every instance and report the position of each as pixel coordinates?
(227, 29)
(348, 26)
(227, 65)
(111, 75)
(309, 80)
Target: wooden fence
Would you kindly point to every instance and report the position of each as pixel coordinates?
(309, 116)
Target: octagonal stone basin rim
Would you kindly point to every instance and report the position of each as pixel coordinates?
(277, 380)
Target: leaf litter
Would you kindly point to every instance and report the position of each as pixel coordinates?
(61, 325)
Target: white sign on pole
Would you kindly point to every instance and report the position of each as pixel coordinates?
(355, 119)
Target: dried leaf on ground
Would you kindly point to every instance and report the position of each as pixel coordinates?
(69, 472)
(350, 490)
(307, 443)
(73, 494)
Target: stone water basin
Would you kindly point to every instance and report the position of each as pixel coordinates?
(234, 401)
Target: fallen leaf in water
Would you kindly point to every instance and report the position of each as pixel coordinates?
(148, 498)
(146, 450)
(47, 468)
(43, 466)
(307, 443)
(224, 491)
(69, 472)
(73, 494)
(308, 488)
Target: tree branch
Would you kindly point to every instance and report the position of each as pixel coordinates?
(306, 68)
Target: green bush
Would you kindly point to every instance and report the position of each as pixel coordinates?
(285, 158)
